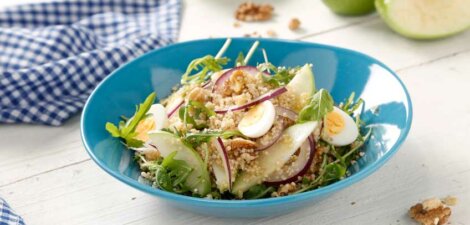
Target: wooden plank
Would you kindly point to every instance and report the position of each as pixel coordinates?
(432, 162)
(45, 175)
(28, 150)
(377, 40)
(205, 19)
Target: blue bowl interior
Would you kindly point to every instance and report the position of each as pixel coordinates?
(387, 105)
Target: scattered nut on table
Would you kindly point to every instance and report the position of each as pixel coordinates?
(249, 12)
(294, 24)
(430, 212)
(271, 33)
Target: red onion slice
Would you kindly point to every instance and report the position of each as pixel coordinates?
(258, 100)
(219, 145)
(206, 84)
(175, 109)
(219, 83)
(285, 112)
(298, 168)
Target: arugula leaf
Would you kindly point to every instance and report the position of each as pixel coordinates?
(334, 171)
(321, 104)
(172, 174)
(134, 143)
(113, 130)
(140, 113)
(280, 76)
(196, 139)
(264, 67)
(258, 191)
(126, 131)
(351, 105)
(361, 140)
(337, 155)
(240, 61)
(216, 194)
(124, 118)
(202, 66)
(194, 112)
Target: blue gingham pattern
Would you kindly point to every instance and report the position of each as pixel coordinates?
(53, 54)
(8, 216)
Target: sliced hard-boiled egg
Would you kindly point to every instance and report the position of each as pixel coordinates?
(258, 120)
(157, 120)
(339, 128)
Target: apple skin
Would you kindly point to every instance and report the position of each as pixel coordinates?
(382, 7)
(350, 7)
(276, 156)
(199, 178)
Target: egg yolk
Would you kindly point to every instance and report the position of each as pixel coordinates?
(143, 128)
(334, 123)
(253, 115)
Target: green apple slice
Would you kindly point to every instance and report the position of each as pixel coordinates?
(303, 83)
(221, 178)
(198, 180)
(350, 7)
(274, 157)
(425, 19)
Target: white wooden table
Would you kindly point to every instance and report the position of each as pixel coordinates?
(47, 176)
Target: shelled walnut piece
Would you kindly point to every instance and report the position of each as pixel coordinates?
(430, 212)
(240, 143)
(294, 24)
(249, 12)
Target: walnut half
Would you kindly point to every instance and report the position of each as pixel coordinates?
(249, 11)
(430, 212)
(239, 143)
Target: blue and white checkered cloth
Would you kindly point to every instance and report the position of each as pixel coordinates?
(53, 54)
(8, 216)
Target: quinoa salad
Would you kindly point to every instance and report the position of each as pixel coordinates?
(234, 131)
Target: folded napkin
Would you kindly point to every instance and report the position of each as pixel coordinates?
(8, 216)
(53, 54)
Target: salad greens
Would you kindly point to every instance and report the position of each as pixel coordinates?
(240, 61)
(281, 76)
(126, 129)
(196, 139)
(336, 160)
(199, 69)
(258, 191)
(320, 104)
(195, 134)
(171, 174)
(195, 113)
(351, 104)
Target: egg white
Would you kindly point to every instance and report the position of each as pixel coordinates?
(158, 113)
(256, 123)
(346, 136)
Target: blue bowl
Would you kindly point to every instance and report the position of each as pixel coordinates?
(387, 109)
